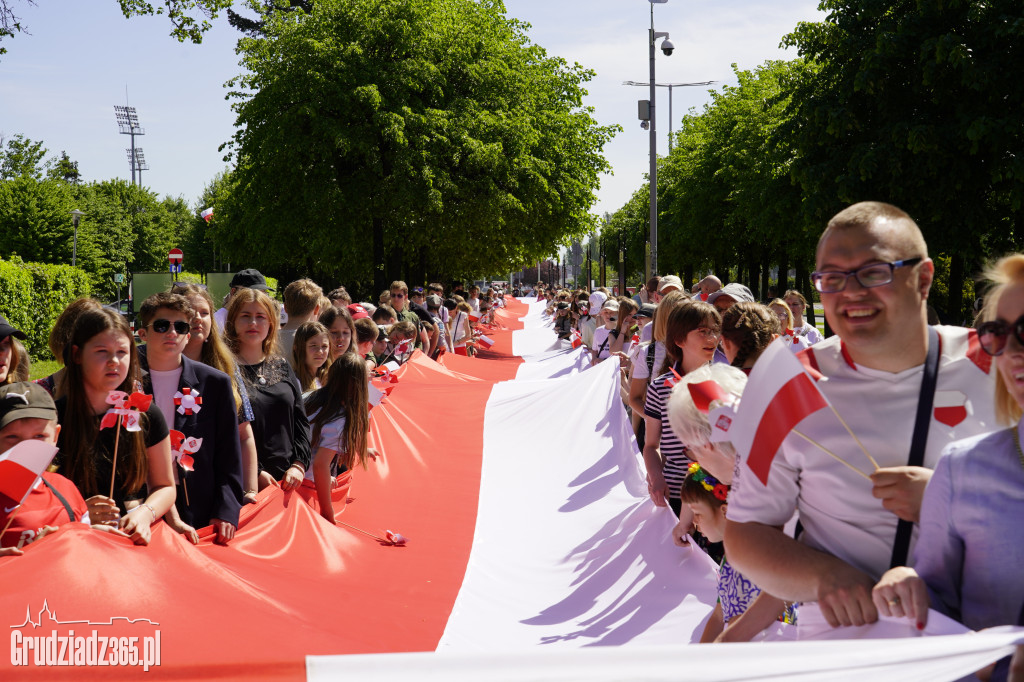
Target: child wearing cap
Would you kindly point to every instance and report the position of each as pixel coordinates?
(27, 412)
(602, 339)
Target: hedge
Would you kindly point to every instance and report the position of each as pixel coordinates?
(33, 295)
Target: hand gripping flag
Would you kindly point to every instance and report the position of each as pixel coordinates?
(21, 467)
(778, 396)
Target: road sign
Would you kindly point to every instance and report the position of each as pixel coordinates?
(175, 256)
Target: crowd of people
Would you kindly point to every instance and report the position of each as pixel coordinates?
(901, 497)
(216, 404)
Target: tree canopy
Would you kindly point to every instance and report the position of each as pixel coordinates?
(406, 137)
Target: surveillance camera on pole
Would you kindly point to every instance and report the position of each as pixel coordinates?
(667, 46)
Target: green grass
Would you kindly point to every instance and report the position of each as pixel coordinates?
(43, 368)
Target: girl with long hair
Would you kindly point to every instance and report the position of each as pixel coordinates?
(342, 330)
(63, 326)
(101, 357)
(339, 419)
(310, 353)
(279, 420)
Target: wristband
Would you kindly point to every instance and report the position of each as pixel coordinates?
(144, 504)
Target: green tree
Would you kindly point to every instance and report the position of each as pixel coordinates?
(383, 139)
(64, 169)
(914, 102)
(22, 157)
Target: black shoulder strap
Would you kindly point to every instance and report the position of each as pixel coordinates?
(67, 507)
(901, 547)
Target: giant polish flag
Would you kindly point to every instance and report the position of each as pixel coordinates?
(533, 552)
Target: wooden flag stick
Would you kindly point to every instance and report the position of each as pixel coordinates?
(113, 470)
(850, 431)
(830, 453)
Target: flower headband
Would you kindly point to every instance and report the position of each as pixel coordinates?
(709, 482)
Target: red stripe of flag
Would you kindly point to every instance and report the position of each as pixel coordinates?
(797, 399)
(16, 480)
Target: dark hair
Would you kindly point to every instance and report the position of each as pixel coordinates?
(215, 351)
(681, 321)
(693, 490)
(339, 294)
(345, 394)
(81, 427)
(331, 315)
(164, 299)
(303, 334)
(751, 326)
(366, 330)
(383, 313)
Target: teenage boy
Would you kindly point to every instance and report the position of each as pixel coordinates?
(302, 304)
(196, 400)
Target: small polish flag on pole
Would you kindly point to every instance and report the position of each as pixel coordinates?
(375, 395)
(206, 214)
(21, 467)
(485, 341)
(778, 396)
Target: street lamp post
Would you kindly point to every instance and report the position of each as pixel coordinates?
(671, 118)
(76, 216)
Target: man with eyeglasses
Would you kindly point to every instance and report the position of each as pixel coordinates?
(874, 275)
(198, 401)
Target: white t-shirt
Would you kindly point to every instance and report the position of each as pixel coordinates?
(810, 333)
(165, 385)
(600, 334)
(640, 370)
(332, 436)
(837, 510)
(588, 326)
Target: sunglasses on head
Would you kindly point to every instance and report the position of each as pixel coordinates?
(161, 326)
(993, 335)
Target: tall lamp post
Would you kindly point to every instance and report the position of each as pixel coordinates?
(76, 216)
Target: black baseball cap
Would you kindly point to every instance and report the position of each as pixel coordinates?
(7, 330)
(646, 310)
(249, 279)
(25, 400)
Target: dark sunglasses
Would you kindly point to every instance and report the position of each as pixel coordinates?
(162, 326)
(993, 335)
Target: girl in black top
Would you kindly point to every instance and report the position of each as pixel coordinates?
(279, 422)
(101, 358)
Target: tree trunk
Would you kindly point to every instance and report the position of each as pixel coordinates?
(752, 278)
(766, 272)
(721, 272)
(688, 276)
(783, 284)
(803, 285)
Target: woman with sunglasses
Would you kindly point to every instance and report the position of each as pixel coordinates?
(971, 546)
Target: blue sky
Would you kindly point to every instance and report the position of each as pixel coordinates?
(59, 83)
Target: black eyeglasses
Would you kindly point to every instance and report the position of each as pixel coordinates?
(993, 335)
(869, 276)
(162, 326)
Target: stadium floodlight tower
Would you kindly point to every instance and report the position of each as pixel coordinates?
(128, 122)
(137, 160)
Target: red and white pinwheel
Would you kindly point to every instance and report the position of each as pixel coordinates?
(188, 401)
(125, 410)
(183, 448)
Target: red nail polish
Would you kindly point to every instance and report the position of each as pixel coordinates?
(920, 625)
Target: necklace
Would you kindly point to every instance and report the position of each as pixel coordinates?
(1016, 441)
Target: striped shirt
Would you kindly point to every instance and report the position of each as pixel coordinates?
(673, 452)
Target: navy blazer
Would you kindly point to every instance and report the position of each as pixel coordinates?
(215, 485)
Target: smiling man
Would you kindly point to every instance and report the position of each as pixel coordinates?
(874, 275)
